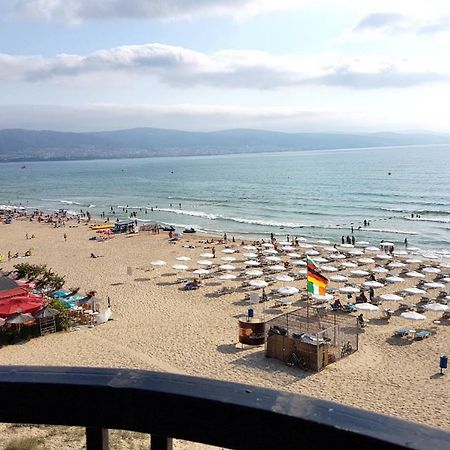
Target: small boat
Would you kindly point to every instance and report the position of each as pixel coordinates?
(23, 167)
(189, 230)
(168, 228)
(102, 226)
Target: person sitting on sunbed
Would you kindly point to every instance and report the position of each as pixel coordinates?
(337, 304)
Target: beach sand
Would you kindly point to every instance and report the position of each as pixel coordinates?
(158, 327)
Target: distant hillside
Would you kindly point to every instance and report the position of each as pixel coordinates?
(30, 145)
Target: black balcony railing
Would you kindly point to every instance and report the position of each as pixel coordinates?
(212, 412)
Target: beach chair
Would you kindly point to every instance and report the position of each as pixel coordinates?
(422, 334)
(406, 306)
(403, 332)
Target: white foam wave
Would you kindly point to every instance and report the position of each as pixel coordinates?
(429, 219)
(188, 213)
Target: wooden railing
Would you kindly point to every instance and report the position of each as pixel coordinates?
(223, 414)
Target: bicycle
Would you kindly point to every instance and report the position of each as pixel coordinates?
(296, 359)
(346, 349)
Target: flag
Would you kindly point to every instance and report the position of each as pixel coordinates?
(316, 282)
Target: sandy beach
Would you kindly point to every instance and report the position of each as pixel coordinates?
(159, 327)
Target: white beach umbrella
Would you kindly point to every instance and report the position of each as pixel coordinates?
(320, 260)
(312, 253)
(372, 249)
(373, 284)
(394, 279)
(287, 248)
(414, 261)
(379, 270)
(361, 243)
(436, 307)
(294, 255)
(349, 265)
(323, 242)
(337, 256)
(284, 278)
(349, 290)
(205, 262)
(339, 278)
(267, 245)
(329, 269)
(158, 263)
(183, 258)
(396, 265)
(249, 247)
(346, 246)
(434, 285)
(250, 255)
(299, 263)
(302, 271)
(201, 272)
(415, 274)
(355, 252)
(445, 280)
(258, 283)
(227, 276)
(276, 268)
(227, 267)
(270, 251)
(306, 245)
(273, 258)
(412, 315)
(228, 250)
(414, 291)
(444, 265)
(252, 262)
(431, 270)
(391, 298)
(366, 307)
(383, 256)
(330, 249)
(206, 255)
(254, 273)
(288, 290)
(180, 267)
(228, 258)
(366, 261)
(359, 273)
(322, 298)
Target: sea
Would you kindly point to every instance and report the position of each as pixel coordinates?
(402, 192)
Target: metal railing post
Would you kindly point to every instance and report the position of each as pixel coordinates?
(97, 438)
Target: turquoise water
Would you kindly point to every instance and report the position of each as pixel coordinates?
(312, 194)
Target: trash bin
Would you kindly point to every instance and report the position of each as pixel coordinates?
(443, 362)
(250, 313)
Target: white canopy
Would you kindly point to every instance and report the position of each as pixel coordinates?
(277, 268)
(227, 276)
(379, 270)
(252, 262)
(383, 256)
(273, 258)
(436, 307)
(250, 255)
(270, 251)
(227, 267)
(201, 271)
(396, 265)
(372, 249)
(415, 274)
(204, 262)
(299, 263)
(284, 278)
(360, 273)
(434, 285)
(431, 270)
(366, 261)
(249, 247)
(394, 279)
(228, 250)
(414, 291)
(349, 265)
(349, 290)
(228, 258)
(180, 267)
(414, 261)
(329, 269)
(312, 252)
(183, 258)
(206, 255)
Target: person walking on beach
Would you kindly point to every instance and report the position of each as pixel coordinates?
(406, 242)
(353, 240)
(225, 238)
(371, 294)
(343, 240)
(65, 237)
(214, 252)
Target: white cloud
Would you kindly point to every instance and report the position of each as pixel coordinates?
(178, 66)
(78, 11)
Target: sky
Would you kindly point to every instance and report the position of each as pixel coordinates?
(286, 65)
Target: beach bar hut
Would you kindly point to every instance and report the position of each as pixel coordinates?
(310, 341)
(124, 226)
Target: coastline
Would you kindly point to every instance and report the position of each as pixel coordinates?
(157, 326)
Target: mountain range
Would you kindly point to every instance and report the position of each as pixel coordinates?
(42, 145)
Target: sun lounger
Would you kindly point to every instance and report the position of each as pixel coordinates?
(348, 308)
(406, 306)
(403, 331)
(422, 334)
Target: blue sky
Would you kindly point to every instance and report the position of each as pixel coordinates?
(303, 65)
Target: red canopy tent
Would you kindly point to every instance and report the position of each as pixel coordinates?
(10, 293)
(24, 304)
